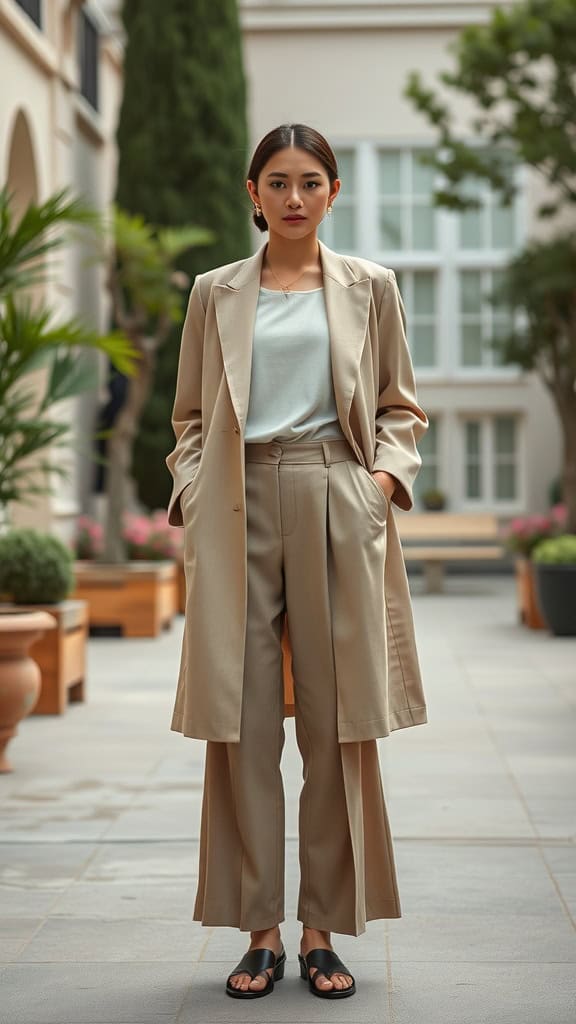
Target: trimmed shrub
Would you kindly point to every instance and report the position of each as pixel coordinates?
(35, 568)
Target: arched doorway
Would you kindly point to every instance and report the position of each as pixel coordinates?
(22, 185)
(21, 177)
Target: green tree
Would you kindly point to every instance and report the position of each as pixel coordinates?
(30, 339)
(145, 290)
(519, 72)
(182, 160)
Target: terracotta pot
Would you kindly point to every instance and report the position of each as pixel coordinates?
(20, 677)
(529, 608)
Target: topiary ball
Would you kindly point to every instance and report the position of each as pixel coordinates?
(35, 568)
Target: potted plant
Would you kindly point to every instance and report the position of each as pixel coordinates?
(147, 539)
(555, 563)
(433, 499)
(36, 574)
(521, 536)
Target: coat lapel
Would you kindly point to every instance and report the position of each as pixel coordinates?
(347, 300)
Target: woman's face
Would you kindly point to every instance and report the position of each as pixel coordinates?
(293, 184)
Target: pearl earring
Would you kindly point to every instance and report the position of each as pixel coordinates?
(258, 210)
(329, 209)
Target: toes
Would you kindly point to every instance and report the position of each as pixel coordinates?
(259, 981)
(320, 980)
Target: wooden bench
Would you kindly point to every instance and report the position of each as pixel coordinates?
(435, 538)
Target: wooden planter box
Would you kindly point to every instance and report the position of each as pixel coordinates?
(139, 597)
(61, 655)
(529, 609)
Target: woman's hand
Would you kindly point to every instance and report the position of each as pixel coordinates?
(386, 481)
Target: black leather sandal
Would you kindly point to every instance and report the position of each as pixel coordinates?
(328, 963)
(255, 962)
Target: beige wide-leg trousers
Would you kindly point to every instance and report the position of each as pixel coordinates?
(347, 871)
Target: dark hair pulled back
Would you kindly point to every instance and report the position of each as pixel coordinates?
(300, 135)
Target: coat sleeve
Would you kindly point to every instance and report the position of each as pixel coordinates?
(400, 422)
(183, 460)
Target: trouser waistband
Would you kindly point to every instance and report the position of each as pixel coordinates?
(326, 452)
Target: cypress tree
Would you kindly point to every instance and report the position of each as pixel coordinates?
(182, 141)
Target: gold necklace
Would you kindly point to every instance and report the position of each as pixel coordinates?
(286, 288)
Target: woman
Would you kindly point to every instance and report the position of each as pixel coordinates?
(296, 425)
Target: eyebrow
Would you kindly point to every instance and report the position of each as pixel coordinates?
(282, 174)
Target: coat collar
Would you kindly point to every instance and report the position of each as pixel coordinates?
(347, 298)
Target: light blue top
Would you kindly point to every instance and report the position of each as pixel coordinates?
(291, 389)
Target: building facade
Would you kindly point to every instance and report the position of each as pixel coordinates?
(60, 89)
(494, 442)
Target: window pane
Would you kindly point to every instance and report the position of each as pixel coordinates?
(472, 345)
(504, 435)
(343, 220)
(472, 438)
(389, 176)
(470, 292)
(502, 220)
(473, 481)
(423, 235)
(346, 171)
(390, 226)
(422, 175)
(423, 344)
(424, 293)
(505, 482)
(471, 229)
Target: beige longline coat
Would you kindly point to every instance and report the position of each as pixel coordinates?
(377, 407)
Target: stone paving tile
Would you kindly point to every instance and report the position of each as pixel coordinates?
(121, 993)
(484, 937)
(44, 866)
(82, 940)
(152, 862)
(470, 993)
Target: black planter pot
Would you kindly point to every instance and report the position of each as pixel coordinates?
(556, 590)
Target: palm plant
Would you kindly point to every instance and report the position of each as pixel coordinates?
(146, 300)
(30, 340)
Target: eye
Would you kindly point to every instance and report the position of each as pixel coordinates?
(273, 183)
(314, 183)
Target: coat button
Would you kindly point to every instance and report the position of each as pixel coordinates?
(236, 508)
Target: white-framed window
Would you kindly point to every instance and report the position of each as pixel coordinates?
(491, 456)
(479, 319)
(446, 262)
(406, 214)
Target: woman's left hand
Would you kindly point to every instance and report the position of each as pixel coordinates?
(386, 481)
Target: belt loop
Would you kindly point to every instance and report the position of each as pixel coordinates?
(326, 451)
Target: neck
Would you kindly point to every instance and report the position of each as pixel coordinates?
(292, 255)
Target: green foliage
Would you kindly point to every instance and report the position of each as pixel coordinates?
(556, 551)
(182, 162)
(30, 340)
(519, 70)
(145, 258)
(540, 282)
(35, 568)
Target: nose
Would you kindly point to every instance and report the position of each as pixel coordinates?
(294, 199)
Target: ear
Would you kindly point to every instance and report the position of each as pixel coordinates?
(251, 187)
(335, 189)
